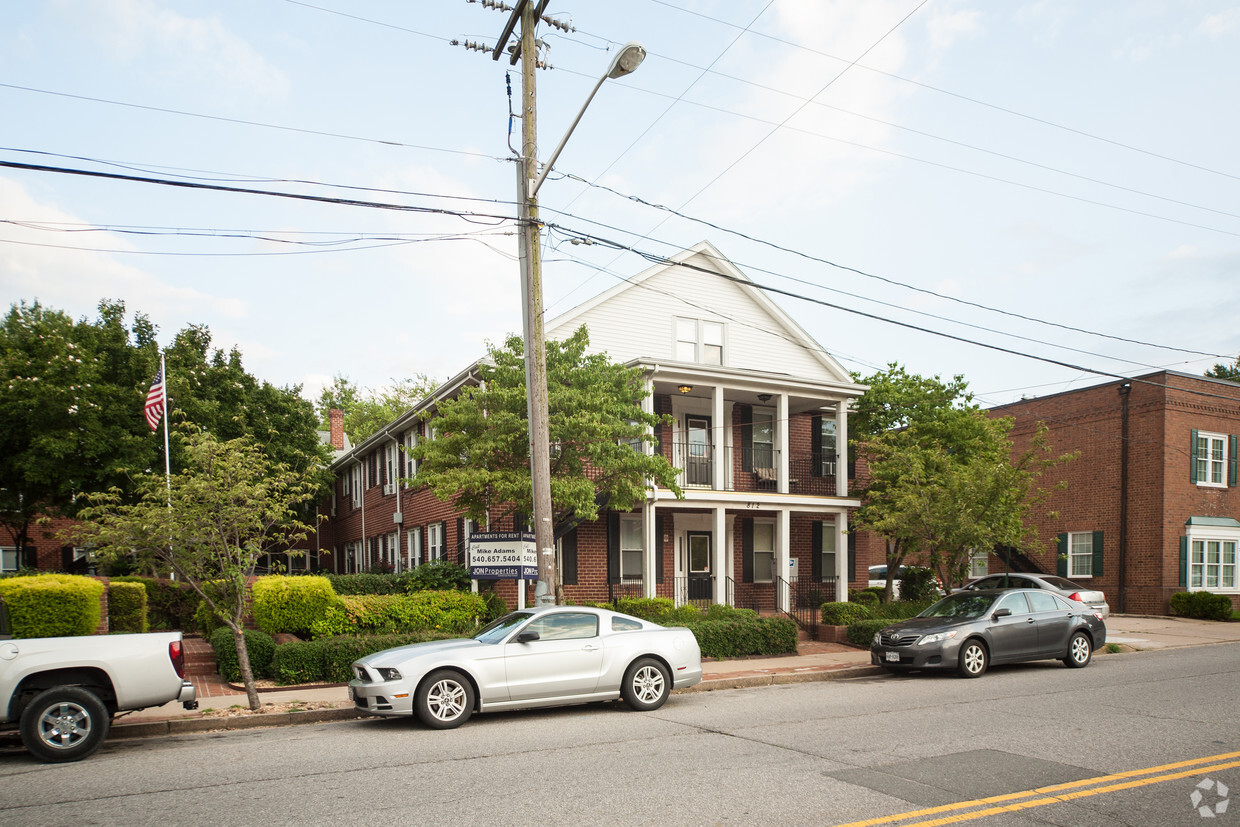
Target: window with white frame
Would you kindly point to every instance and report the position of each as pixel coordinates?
(10, 560)
(413, 547)
(391, 463)
(436, 543)
(411, 464)
(979, 564)
(1081, 554)
(699, 341)
(763, 552)
(828, 551)
(1212, 565)
(763, 438)
(630, 547)
(356, 489)
(1210, 459)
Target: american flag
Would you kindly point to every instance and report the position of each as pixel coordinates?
(156, 397)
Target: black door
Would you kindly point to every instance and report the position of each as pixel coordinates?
(699, 566)
(698, 450)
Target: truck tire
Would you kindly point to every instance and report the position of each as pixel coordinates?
(64, 723)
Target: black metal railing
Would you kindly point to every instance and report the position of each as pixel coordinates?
(624, 588)
(805, 599)
(695, 590)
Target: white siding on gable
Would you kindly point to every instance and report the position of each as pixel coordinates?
(639, 322)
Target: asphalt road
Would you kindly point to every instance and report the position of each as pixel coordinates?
(815, 753)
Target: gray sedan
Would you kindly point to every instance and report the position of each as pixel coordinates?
(1062, 586)
(969, 630)
(549, 656)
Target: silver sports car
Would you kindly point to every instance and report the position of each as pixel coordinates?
(549, 656)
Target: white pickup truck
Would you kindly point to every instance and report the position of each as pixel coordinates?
(63, 691)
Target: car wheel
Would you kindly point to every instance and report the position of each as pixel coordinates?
(1080, 651)
(646, 685)
(444, 700)
(973, 659)
(64, 723)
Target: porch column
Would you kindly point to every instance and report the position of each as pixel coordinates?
(783, 554)
(841, 448)
(648, 407)
(717, 442)
(720, 550)
(841, 555)
(781, 429)
(649, 549)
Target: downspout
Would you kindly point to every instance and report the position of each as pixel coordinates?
(1124, 390)
(363, 500)
(398, 519)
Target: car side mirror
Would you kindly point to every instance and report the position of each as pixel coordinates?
(526, 637)
(1001, 613)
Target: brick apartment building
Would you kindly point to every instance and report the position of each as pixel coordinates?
(759, 412)
(1152, 505)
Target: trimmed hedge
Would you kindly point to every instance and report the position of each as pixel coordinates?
(291, 605)
(841, 614)
(659, 610)
(862, 632)
(127, 608)
(259, 645)
(448, 612)
(436, 575)
(1203, 605)
(170, 605)
(366, 583)
(52, 605)
(865, 597)
(740, 636)
(328, 660)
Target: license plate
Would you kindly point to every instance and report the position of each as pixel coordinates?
(893, 657)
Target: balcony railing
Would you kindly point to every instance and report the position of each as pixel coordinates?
(753, 469)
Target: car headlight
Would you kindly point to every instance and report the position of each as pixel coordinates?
(937, 637)
(388, 673)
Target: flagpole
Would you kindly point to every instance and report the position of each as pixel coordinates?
(163, 370)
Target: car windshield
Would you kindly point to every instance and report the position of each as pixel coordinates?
(497, 630)
(960, 605)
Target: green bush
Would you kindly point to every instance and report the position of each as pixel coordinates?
(52, 605)
(299, 661)
(449, 612)
(170, 605)
(127, 608)
(1203, 605)
(744, 635)
(338, 653)
(291, 605)
(437, 575)
(659, 610)
(864, 597)
(368, 583)
(259, 645)
(862, 632)
(497, 607)
(841, 614)
(918, 583)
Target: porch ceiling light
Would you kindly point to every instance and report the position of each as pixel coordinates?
(764, 397)
(684, 388)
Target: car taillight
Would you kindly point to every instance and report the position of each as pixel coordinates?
(1077, 597)
(177, 655)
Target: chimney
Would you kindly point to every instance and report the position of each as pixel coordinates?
(336, 418)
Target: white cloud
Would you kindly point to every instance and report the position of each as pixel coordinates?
(1221, 24)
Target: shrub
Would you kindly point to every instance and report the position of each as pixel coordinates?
(291, 604)
(52, 605)
(259, 645)
(917, 583)
(862, 632)
(903, 609)
(299, 661)
(437, 575)
(496, 607)
(367, 583)
(1204, 605)
(449, 612)
(864, 597)
(841, 614)
(659, 610)
(170, 605)
(127, 608)
(742, 635)
(340, 652)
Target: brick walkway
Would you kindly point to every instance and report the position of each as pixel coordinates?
(201, 670)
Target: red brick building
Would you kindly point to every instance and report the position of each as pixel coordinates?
(1152, 505)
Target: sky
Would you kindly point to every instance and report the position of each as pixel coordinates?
(1035, 195)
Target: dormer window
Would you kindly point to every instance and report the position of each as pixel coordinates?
(699, 341)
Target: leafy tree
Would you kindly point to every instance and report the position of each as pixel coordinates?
(229, 507)
(1223, 371)
(479, 458)
(367, 410)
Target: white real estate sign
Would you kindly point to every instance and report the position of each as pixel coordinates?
(502, 555)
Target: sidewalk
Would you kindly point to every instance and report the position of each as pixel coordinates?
(814, 661)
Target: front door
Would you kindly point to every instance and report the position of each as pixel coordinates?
(699, 566)
(698, 450)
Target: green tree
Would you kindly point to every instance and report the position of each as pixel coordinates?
(479, 456)
(1224, 371)
(229, 507)
(366, 410)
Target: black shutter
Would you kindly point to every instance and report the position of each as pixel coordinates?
(613, 547)
(747, 549)
(1192, 456)
(460, 541)
(815, 549)
(568, 558)
(1183, 562)
(1097, 562)
(744, 415)
(1061, 554)
(659, 550)
(816, 449)
(852, 556)
(1231, 459)
(66, 558)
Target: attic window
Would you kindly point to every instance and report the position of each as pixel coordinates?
(698, 340)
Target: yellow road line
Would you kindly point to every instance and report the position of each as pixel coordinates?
(1047, 793)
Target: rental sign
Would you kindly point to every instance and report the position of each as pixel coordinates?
(502, 555)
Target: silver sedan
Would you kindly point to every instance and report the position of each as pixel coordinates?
(548, 656)
(1091, 597)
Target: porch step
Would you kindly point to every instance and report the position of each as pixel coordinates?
(199, 657)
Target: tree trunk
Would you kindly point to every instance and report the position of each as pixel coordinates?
(247, 672)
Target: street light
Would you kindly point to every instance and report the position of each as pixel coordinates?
(528, 182)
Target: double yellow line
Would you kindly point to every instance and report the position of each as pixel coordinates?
(1058, 793)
